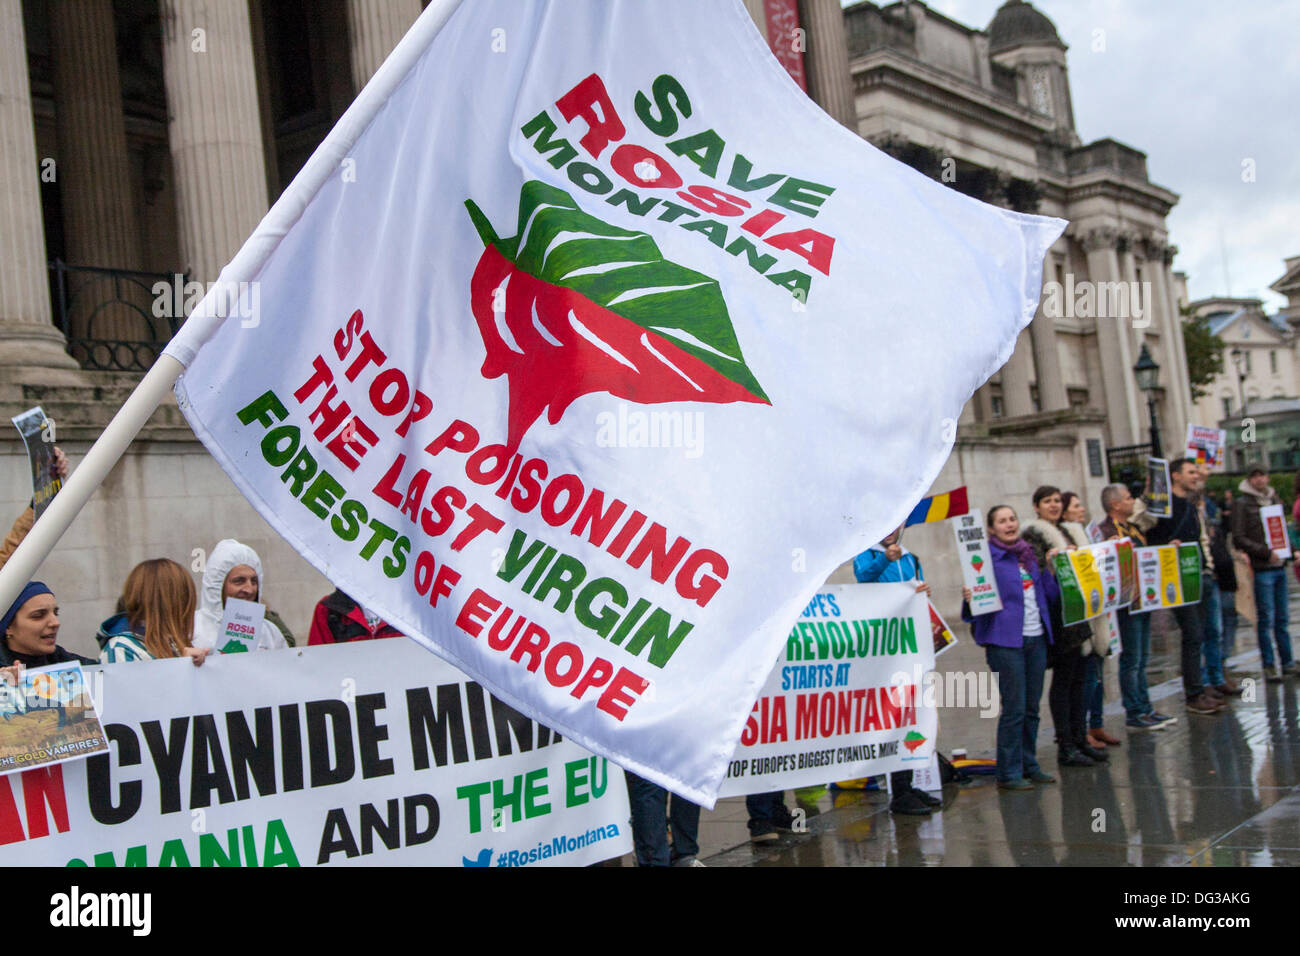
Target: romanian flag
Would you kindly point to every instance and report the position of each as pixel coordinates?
(939, 507)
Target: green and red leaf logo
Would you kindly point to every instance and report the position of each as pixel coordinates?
(977, 562)
(573, 305)
(912, 741)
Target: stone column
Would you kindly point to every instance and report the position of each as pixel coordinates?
(1112, 342)
(215, 130)
(28, 342)
(827, 60)
(374, 27)
(1047, 360)
(94, 167)
(1016, 375)
(1167, 321)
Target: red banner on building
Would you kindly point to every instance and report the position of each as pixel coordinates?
(786, 38)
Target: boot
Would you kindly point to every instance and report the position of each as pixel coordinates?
(1093, 754)
(1072, 756)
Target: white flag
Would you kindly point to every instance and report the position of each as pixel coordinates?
(599, 349)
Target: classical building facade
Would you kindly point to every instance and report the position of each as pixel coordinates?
(1258, 392)
(142, 140)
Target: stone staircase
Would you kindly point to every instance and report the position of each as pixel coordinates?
(81, 412)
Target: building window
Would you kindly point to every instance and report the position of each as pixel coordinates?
(1060, 275)
(1247, 353)
(1272, 361)
(1078, 397)
(1227, 408)
(996, 402)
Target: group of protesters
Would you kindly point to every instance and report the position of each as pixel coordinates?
(160, 614)
(1029, 634)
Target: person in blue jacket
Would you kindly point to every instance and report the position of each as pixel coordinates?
(885, 562)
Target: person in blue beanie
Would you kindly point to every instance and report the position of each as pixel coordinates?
(31, 631)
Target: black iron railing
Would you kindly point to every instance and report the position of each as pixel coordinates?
(115, 319)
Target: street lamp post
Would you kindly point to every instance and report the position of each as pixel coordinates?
(1147, 373)
(1239, 363)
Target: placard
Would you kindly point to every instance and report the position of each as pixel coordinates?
(38, 437)
(239, 623)
(1168, 576)
(976, 563)
(48, 718)
(1205, 445)
(1274, 522)
(1157, 495)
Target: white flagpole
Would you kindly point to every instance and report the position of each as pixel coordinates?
(211, 312)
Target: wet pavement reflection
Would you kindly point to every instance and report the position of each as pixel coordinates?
(1207, 791)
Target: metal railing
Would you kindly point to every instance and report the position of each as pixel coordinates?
(111, 317)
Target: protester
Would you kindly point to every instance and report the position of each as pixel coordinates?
(1211, 605)
(1230, 575)
(233, 570)
(31, 633)
(1048, 534)
(883, 562)
(339, 619)
(1122, 510)
(1015, 641)
(157, 617)
(654, 809)
(1094, 674)
(768, 814)
(1270, 579)
(1184, 525)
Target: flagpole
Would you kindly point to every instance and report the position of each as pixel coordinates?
(208, 316)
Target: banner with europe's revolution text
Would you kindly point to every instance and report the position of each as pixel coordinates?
(533, 374)
(847, 697)
(371, 754)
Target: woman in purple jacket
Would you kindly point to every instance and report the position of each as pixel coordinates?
(1015, 642)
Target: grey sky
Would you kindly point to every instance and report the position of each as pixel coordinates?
(1199, 86)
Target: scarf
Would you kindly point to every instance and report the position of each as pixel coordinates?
(1023, 551)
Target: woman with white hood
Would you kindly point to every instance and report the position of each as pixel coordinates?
(233, 570)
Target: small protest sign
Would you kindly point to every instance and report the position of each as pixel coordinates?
(1158, 487)
(1275, 530)
(35, 429)
(48, 718)
(239, 625)
(1205, 445)
(976, 564)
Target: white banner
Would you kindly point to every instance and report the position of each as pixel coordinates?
(533, 373)
(847, 696)
(367, 754)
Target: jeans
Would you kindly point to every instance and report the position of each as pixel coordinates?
(1094, 695)
(1211, 631)
(1066, 698)
(650, 813)
(1135, 650)
(1188, 617)
(1271, 605)
(1020, 685)
(1229, 642)
(766, 810)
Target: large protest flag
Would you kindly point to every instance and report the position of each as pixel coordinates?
(539, 216)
